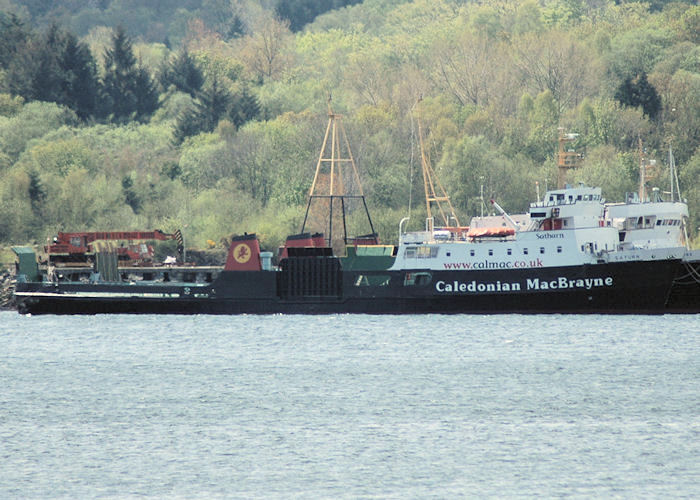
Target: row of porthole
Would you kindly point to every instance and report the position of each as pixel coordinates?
(509, 251)
(472, 252)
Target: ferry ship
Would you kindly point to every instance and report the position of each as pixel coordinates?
(571, 252)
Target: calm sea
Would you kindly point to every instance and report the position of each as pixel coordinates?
(349, 406)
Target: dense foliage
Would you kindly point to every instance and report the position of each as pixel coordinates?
(208, 115)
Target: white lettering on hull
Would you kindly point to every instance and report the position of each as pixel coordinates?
(563, 283)
(560, 283)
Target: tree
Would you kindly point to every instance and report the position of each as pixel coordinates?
(128, 88)
(554, 62)
(36, 193)
(34, 72)
(146, 94)
(606, 167)
(244, 107)
(56, 67)
(682, 115)
(80, 86)
(301, 12)
(182, 72)
(119, 77)
(264, 49)
(464, 67)
(689, 174)
(13, 35)
(130, 196)
(636, 51)
(212, 103)
(639, 92)
(35, 120)
(543, 120)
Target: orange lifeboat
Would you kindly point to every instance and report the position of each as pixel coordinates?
(490, 232)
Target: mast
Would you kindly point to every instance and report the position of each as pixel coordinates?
(671, 168)
(642, 173)
(567, 159)
(647, 172)
(430, 182)
(674, 181)
(674, 176)
(336, 181)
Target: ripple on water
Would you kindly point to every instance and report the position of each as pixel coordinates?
(349, 406)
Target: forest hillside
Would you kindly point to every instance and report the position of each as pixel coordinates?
(208, 115)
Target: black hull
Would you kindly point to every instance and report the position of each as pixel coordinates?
(620, 288)
(685, 292)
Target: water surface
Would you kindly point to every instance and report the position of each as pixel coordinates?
(349, 406)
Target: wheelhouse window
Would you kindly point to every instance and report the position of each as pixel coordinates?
(426, 252)
(421, 252)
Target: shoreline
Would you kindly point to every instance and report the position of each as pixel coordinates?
(7, 286)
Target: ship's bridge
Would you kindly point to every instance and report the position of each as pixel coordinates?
(569, 208)
(649, 225)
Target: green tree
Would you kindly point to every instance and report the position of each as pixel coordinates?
(635, 52)
(244, 106)
(80, 85)
(36, 193)
(130, 196)
(639, 92)
(543, 123)
(301, 12)
(56, 67)
(554, 62)
(606, 167)
(146, 94)
(35, 120)
(470, 162)
(682, 114)
(209, 108)
(183, 73)
(128, 88)
(45, 76)
(10, 105)
(213, 104)
(13, 36)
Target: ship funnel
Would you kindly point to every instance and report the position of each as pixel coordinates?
(243, 254)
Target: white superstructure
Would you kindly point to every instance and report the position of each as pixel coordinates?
(568, 227)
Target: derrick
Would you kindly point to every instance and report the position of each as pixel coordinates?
(435, 193)
(336, 187)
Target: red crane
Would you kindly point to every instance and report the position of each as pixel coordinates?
(79, 247)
